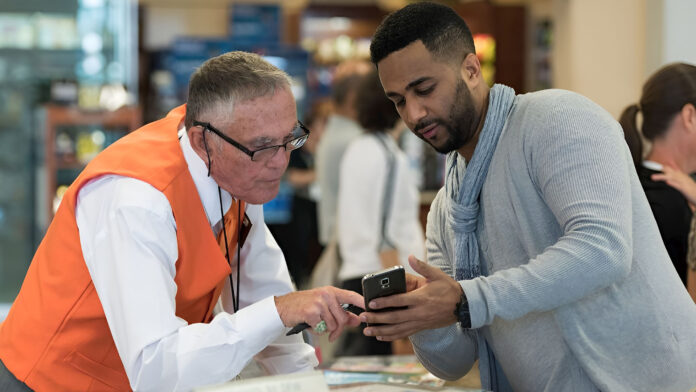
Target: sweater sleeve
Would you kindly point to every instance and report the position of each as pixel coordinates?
(447, 352)
(578, 161)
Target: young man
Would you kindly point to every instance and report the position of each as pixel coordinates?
(544, 260)
(121, 291)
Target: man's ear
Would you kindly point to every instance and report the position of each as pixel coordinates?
(198, 141)
(470, 70)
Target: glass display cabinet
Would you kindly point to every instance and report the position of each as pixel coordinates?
(54, 52)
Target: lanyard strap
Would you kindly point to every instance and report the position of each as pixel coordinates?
(235, 298)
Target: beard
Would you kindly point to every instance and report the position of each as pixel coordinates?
(460, 124)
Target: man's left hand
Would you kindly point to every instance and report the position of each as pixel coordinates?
(430, 303)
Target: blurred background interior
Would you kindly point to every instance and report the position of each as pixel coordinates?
(75, 75)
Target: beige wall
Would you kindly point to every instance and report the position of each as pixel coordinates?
(671, 30)
(164, 23)
(599, 50)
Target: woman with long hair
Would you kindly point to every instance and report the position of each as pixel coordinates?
(668, 110)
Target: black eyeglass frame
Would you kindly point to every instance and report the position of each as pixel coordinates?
(249, 152)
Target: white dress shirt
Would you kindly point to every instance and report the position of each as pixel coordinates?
(128, 239)
(363, 180)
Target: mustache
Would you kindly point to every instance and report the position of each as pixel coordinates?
(424, 124)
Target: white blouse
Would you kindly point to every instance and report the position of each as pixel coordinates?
(363, 179)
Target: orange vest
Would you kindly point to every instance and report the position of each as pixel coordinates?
(56, 337)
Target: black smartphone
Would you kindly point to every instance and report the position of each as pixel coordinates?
(382, 284)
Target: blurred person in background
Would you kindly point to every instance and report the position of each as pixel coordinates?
(378, 203)
(122, 290)
(299, 238)
(685, 184)
(341, 128)
(544, 261)
(668, 110)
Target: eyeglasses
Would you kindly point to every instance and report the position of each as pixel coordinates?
(265, 153)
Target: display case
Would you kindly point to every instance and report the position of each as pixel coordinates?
(72, 138)
(64, 51)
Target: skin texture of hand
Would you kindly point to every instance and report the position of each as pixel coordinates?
(431, 301)
(679, 181)
(323, 303)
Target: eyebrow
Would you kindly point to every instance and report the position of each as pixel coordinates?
(409, 86)
(263, 141)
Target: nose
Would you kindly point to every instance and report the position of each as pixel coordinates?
(414, 111)
(280, 158)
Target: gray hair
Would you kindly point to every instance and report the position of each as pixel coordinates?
(229, 78)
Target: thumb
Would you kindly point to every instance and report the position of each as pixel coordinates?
(427, 271)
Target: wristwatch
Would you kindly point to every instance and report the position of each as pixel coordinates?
(461, 311)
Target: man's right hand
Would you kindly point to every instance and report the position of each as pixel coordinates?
(323, 303)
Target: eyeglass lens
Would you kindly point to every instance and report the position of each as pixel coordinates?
(268, 153)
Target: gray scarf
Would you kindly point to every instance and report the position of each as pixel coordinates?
(462, 188)
(463, 193)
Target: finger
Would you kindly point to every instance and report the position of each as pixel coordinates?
(393, 301)
(353, 320)
(341, 318)
(658, 177)
(331, 323)
(392, 317)
(427, 271)
(412, 282)
(349, 297)
(394, 331)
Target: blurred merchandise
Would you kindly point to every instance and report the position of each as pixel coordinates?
(60, 52)
(89, 145)
(177, 64)
(541, 54)
(113, 96)
(65, 147)
(500, 36)
(38, 31)
(88, 96)
(64, 92)
(73, 138)
(16, 31)
(332, 34)
(485, 51)
(55, 31)
(255, 24)
(58, 197)
(403, 370)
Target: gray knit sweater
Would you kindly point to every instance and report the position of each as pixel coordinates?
(580, 293)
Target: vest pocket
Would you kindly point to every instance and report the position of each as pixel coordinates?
(94, 369)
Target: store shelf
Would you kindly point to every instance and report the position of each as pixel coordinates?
(75, 124)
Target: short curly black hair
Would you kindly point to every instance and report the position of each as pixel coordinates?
(376, 113)
(442, 31)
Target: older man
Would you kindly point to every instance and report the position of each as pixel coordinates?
(122, 290)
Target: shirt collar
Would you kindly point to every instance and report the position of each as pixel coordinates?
(652, 165)
(207, 187)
